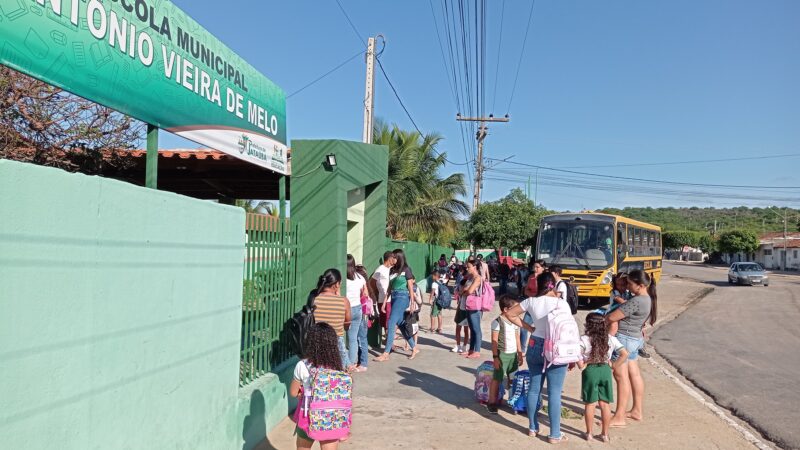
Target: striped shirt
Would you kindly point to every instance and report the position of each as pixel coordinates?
(331, 310)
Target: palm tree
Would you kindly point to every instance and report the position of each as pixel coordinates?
(422, 205)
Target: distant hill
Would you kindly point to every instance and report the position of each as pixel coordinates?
(700, 219)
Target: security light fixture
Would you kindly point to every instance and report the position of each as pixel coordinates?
(330, 161)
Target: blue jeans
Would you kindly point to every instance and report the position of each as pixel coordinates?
(475, 337)
(523, 333)
(400, 302)
(555, 376)
(357, 337)
(343, 352)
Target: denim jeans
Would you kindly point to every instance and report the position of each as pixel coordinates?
(357, 337)
(523, 333)
(475, 337)
(400, 302)
(554, 375)
(343, 352)
(503, 285)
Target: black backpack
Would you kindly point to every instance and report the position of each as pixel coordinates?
(298, 327)
(572, 296)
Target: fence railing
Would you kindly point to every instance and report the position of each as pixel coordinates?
(269, 293)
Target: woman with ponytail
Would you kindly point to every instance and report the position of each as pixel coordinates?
(629, 319)
(333, 309)
(538, 308)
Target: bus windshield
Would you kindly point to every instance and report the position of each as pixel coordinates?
(577, 245)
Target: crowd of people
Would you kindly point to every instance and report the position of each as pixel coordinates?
(608, 349)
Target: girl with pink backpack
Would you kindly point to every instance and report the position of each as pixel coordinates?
(323, 390)
(554, 348)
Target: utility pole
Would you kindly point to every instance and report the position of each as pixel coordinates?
(369, 98)
(480, 136)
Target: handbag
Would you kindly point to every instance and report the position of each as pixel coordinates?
(460, 316)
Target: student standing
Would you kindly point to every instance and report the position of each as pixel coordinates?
(321, 352)
(506, 350)
(597, 383)
(401, 291)
(357, 333)
(380, 285)
(436, 310)
(333, 309)
(473, 286)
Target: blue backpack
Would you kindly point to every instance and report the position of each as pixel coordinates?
(443, 297)
(518, 394)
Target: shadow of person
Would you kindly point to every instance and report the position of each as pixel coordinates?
(254, 428)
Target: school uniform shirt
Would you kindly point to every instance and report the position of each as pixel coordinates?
(331, 310)
(354, 288)
(586, 347)
(539, 308)
(435, 290)
(561, 287)
(303, 375)
(381, 277)
(399, 281)
(506, 340)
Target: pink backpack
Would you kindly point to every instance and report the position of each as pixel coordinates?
(483, 300)
(326, 412)
(562, 342)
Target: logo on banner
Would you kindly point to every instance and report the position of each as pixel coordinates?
(243, 143)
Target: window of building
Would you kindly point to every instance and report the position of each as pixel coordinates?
(767, 252)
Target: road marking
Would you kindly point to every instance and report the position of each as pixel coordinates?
(719, 412)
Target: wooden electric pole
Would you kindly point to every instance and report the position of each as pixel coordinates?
(480, 135)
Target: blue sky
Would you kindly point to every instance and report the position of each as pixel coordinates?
(601, 83)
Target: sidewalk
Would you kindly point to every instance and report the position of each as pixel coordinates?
(428, 403)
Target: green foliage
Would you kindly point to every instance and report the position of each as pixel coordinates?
(461, 238)
(508, 223)
(708, 243)
(674, 240)
(258, 207)
(702, 219)
(422, 204)
(735, 241)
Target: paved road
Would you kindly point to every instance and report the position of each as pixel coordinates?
(740, 344)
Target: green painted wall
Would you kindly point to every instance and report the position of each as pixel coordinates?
(120, 324)
(319, 203)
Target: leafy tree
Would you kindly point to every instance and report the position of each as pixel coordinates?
(675, 240)
(707, 243)
(461, 238)
(45, 125)
(736, 241)
(509, 223)
(422, 204)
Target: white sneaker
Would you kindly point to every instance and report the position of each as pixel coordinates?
(456, 349)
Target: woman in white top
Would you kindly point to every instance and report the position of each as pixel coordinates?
(357, 333)
(539, 307)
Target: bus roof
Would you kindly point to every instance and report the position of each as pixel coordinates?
(600, 217)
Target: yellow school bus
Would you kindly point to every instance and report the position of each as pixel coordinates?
(592, 247)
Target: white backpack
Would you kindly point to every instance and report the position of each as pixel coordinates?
(562, 343)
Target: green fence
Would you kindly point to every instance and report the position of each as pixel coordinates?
(269, 293)
(421, 257)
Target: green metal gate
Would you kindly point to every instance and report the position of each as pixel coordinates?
(269, 293)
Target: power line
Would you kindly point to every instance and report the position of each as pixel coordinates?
(499, 46)
(698, 161)
(352, 26)
(391, 85)
(360, 52)
(521, 55)
(679, 183)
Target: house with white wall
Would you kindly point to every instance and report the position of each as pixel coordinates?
(771, 251)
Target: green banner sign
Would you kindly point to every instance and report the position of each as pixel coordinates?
(148, 59)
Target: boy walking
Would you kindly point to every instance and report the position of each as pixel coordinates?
(506, 350)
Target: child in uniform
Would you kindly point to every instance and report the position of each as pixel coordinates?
(506, 350)
(597, 382)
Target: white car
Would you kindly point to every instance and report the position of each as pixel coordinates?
(747, 273)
